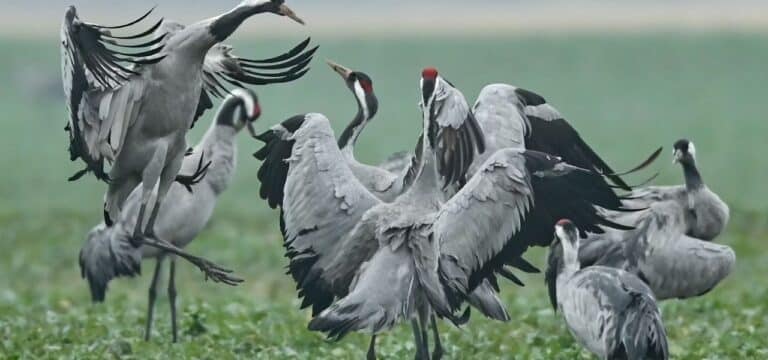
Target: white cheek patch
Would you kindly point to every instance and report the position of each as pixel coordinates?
(248, 102)
(561, 234)
(360, 94)
(692, 149)
(568, 246)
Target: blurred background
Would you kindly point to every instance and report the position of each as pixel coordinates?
(629, 75)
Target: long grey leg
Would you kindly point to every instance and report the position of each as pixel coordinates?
(424, 335)
(150, 177)
(172, 298)
(437, 353)
(422, 353)
(150, 229)
(372, 349)
(136, 239)
(152, 297)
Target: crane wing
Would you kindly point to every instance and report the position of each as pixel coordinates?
(673, 264)
(551, 133)
(500, 114)
(322, 203)
(222, 70)
(510, 204)
(455, 137)
(95, 74)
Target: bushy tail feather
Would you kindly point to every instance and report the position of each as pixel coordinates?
(352, 314)
(485, 300)
(643, 334)
(384, 293)
(105, 256)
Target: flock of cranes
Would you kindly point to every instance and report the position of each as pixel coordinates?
(421, 237)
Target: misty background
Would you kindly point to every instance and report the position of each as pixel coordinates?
(355, 18)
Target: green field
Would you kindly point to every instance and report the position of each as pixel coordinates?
(627, 94)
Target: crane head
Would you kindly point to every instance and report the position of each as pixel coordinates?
(274, 6)
(361, 86)
(683, 151)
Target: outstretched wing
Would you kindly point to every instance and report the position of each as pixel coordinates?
(322, 203)
(474, 225)
(510, 204)
(222, 70)
(552, 134)
(93, 68)
(500, 113)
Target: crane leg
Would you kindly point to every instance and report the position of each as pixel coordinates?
(211, 270)
(172, 298)
(166, 178)
(422, 353)
(372, 349)
(150, 177)
(136, 240)
(437, 353)
(152, 297)
(423, 318)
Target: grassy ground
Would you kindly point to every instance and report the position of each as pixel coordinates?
(626, 94)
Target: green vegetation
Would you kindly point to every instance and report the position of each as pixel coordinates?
(626, 94)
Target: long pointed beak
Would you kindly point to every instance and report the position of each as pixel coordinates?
(341, 70)
(286, 11)
(566, 167)
(251, 129)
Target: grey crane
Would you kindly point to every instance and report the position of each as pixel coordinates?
(609, 311)
(664, 249)
(706, 215)
(133, 109)
(343, 242)
(108, 252)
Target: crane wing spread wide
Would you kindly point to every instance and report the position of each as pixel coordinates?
(93, 66)
(322, 205)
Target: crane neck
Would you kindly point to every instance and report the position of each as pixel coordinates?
(353, 130)
(693, 180)
(220, 148)
(427, 177)
(225, 25)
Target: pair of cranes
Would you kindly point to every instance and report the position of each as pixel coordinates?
(437, 226)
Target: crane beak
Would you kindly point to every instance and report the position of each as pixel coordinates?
(286, 11)
(676, 155)
(251, 129)
(341, 70)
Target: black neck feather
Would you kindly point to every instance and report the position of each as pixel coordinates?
(226, 24)
(693, 179)
(347, 136)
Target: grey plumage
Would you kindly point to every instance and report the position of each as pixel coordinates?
(610, 312)
(705, 214)
(108, 252)
(454, 247)
(136, 118)
(338, 233)
(401, 230)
